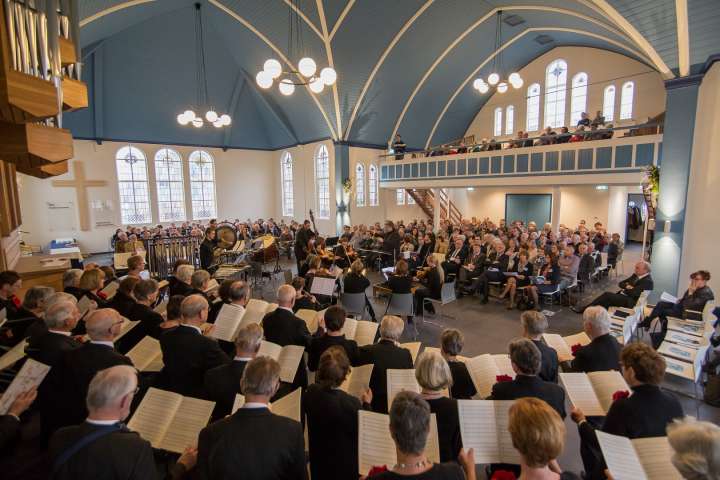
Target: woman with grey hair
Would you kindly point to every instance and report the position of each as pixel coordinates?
(434, 377)
(696, 447)
(409, 428)
(451, 344)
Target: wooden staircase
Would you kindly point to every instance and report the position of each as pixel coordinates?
(425, 199)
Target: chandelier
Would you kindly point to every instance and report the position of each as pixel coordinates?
(189, 117)
(307, 68)
(496, 79)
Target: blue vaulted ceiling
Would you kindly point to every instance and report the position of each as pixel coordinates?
(402, 64)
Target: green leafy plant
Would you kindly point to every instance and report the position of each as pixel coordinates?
(652, 175)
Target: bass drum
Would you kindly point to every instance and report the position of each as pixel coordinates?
(226, 235)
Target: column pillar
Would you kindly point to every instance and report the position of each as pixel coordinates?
(617, 211)
(680, 112)
(436, 209)
(555, 212)
(342, 200)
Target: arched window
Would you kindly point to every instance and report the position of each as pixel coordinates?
(170, 188)
(609, 103)
(497, 129)
(373, 186)
(286, 172)
(202, 185)
(532, 123)
(322, 181)
(131, 166)
(359, 185)
(509, 120)
(555, 89)
(400, 196)
(626, 100)
(578, 97)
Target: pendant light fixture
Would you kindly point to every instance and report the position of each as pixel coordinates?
(189, 117)
(496, 79)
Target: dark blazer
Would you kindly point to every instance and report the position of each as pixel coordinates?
(462, 254)
(206, 253)
(318, 345)
(434, 283)
(149, 325)
(178, 287)
(9, 431)
(463, 387)
(602, 354)
(49, 347)
(332, 422)
(74, 291)
(399, 284)
(353, 283)
(391, 245)
(698, 299)
(122, 303)
(187, 355)
(284, 328)
(383, 355)
(272, 447)
(306, 303)
(531, 386)
(448, 423)
(222, 383)
(638, 284)
(549, 362)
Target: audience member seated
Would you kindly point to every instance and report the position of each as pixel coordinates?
(71, 282)
(538, 434)
(696, 447)
(108, 448)
(409, 428)
(534, 324)
(332, 419)
(551, 278)
(333, 321)
(630, 289)
(385, 354)
(187, 352)
(496, 263)
(473, 266)
(603, 352)
(615, 250)
(432, 282)
(645, 413)
(599, 118)
(455, 257)
(569, 264)
(272, 446)
(451, 344)
(524, 270)
(564, 137)
(356, 282)
(434, 377)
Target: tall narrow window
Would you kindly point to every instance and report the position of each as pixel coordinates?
(373, 199)
(133, 186)
(202, 185)
(400, 196)
(509, 120)
(410, 199)
(578, 97)
(626, 100)
(322, 181)
(170, 188)
(359, 185)
(555, 90)
(497, 129)
(609, 103)
(533, 108)
(286, 172)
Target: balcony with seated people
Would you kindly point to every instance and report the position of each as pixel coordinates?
(608, 155)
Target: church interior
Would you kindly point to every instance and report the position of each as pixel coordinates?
(342, 239)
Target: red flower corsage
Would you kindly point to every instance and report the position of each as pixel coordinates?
(16, 301)
(503, 475)
(377, 470)
(503, 378)
(574, 349)
(620, 394)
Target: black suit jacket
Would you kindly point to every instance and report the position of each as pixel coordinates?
(448, 423)
(355, 283)
(463, 387)
(187, 355)
(318, 346)
(284, 328)
(222, 383)
(149, 325)
(531, 386)
(602, 354)
(122, 303)
(9, 431)
(49, 347)
(638, 284)
(252, 444)
(462, 254)
(178, 287)
(549, 362)
(383, 355)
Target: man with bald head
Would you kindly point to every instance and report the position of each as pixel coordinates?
(187, 352)
(79, 366)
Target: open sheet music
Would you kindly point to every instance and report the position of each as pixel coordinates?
(323, 286)
(212, 285)
(255, 310)
(376, 446)
(12, 356)
(288, 357)
(3, 316)
(84, 305)
(484, 427)
(146, 355)
(362, 331)
(414, 348)
(563, 345)
(228, 322)
(358, 381)
(666, 297)
(287, 406)
(170, 421)
(161, 307)
(484, 370)
(30, 376)
(110, 290)
(311, 318)
(638, 459)
(592, 392)
(399, 380)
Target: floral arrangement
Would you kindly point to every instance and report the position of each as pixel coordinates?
(347, 185)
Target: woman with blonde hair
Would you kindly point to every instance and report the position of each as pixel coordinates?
(91, 282)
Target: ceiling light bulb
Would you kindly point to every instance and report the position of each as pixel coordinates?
(316, 85)
(211, 116)
(264, 79)
(502, 87)
(307, 67)
(190, 115)
(518, 83)
(272, 67)
(218, 124)
(514, 77)
(182, 119)
(484, 88)
(477, 83)
(225, 118)
(286, 86)
(328, 76)
(197, 122)
(493, 78)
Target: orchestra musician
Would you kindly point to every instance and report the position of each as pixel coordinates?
(432, 282)
(207, 249)
(301, 243)
(344, 253)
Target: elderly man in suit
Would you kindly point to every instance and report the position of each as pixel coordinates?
(630, 289)
(187, 352)
(455, 257)
(272, 446)
(603, 352)
(102, 446)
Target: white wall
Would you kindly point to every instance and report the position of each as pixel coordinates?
(245, 188)
(603, 68)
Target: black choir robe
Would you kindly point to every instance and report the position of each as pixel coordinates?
(531, 386)
(549, 362)
(284, 328)
(318, 345)
(463, 387)
(448, 424)
(383, 355)
(602, 354)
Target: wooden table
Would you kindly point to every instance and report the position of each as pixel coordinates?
(43, 269)
(380, 289)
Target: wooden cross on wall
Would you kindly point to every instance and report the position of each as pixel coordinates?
(80, 184)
